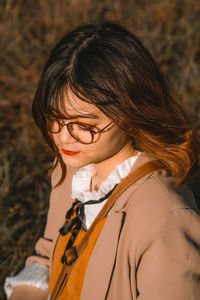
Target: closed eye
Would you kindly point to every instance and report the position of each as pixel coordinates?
(83, 128)
(86, 126)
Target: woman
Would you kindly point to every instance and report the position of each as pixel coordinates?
(105, 110)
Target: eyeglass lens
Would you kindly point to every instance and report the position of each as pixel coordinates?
(79, 132)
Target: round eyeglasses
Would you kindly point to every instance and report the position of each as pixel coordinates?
(80, 132)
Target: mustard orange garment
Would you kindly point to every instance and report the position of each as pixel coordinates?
(72, 290)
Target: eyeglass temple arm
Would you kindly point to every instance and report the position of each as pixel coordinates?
(95, 132)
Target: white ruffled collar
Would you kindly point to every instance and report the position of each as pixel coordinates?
(81, 188)
(82, 178)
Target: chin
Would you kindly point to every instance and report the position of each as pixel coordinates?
(74, 162)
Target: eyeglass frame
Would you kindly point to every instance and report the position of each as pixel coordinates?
(93, 133)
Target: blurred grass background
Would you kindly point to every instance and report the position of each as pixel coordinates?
(29, 30)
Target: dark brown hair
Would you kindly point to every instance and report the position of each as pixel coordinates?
(107, 66)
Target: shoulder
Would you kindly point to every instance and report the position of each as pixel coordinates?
(155, 194)
(158, 213)
(60, 201)
(167, 254)
(62, 193)
(157, 206)
(158, 195)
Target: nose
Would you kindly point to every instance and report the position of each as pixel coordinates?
(65, 137)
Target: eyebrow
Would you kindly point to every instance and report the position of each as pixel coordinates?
(85, 116)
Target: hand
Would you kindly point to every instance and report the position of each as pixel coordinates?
(25, 291)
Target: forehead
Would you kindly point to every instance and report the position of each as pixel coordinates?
(73, 106)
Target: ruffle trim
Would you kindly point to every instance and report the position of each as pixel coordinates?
(81, 187)
(82, 178)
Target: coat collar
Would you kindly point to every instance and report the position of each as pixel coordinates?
(120, 204)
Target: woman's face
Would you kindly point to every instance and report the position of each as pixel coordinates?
(110, 144)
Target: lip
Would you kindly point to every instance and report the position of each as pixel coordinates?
(68, 152)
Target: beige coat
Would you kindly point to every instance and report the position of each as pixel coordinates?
(149, 248)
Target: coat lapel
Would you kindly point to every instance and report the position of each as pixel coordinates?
(102, 261)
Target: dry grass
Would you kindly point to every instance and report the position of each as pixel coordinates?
(28, 30)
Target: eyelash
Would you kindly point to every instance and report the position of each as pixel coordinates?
(86, 124)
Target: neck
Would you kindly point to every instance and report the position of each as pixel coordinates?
(103, 169)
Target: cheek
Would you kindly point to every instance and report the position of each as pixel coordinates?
(108, 143)
(118, 138)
